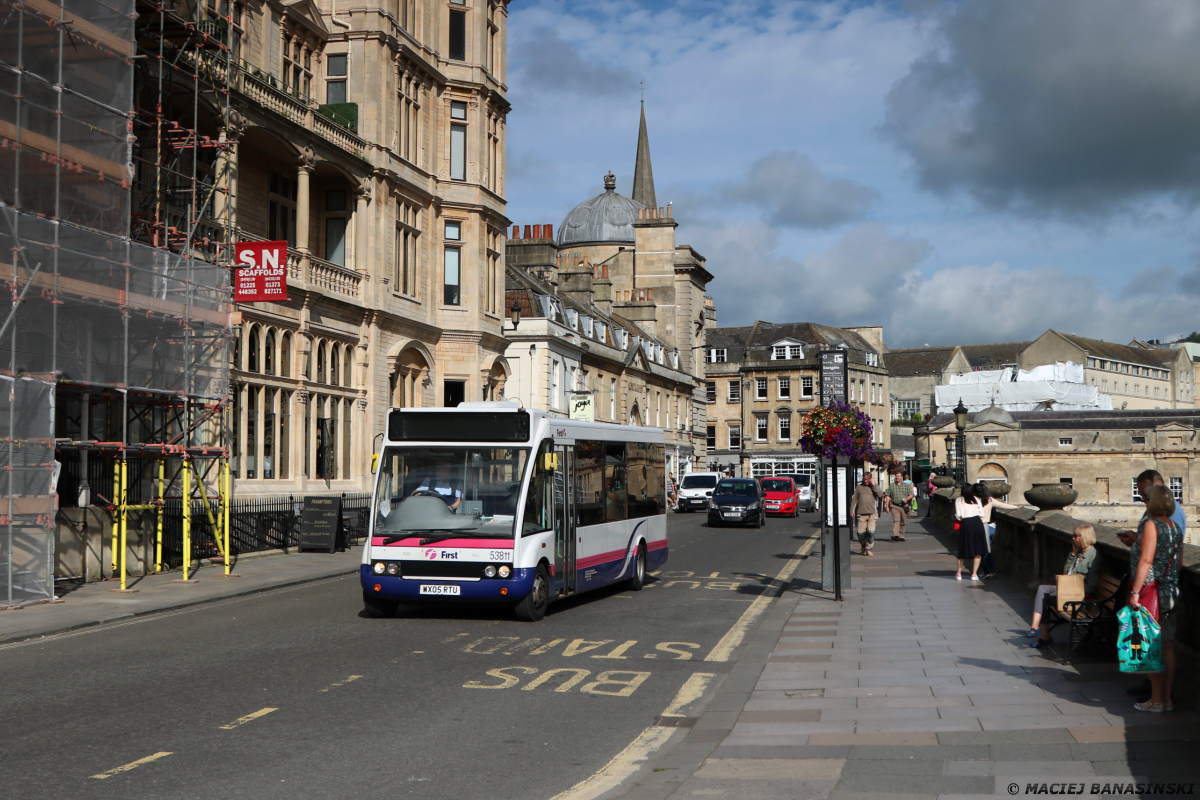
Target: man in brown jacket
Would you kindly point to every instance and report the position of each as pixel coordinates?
(865, 510)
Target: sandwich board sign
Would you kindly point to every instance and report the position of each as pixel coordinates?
(260, 272)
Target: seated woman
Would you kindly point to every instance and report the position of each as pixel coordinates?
(1081, 561)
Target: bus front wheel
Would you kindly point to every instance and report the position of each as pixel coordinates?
(379, 607)
(533, 607)
(638, 579)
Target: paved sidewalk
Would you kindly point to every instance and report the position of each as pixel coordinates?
(96, 603)
(920, 686)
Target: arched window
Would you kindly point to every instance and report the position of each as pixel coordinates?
(335, 363)
(252, 350)
(320, 362)
(269, 353)
(348, 367)
(285, 356)
(235, 356)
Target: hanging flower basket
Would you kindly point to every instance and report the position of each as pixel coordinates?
(839, 431)
(885, 460)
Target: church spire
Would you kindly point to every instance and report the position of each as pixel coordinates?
(643, 173)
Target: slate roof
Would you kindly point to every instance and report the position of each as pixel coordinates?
(753, 344)
(994, 356)
(1097, 348)
(919, 360)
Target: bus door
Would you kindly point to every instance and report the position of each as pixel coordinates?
(564, 520)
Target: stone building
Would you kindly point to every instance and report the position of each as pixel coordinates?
(615, 309)
(761, 380)
(1136, 375)
(371, 138)
(914, 373)
(1099, 453)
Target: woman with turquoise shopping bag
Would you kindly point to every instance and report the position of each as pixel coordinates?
(1154, 566)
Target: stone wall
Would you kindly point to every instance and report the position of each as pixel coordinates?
(1030, 549)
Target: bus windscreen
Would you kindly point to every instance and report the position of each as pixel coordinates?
(467, 426)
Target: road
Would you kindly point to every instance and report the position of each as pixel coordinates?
(296, 693)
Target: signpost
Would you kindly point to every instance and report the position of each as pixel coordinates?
(321, 523)
(261, 272)
(583, 406)
(832, 366)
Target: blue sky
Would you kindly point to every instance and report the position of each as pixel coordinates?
(956, 171)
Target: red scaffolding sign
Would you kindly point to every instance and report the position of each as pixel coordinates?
(261, 272)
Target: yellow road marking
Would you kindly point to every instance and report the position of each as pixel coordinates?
(131, 765)
(626, 762)
(341, 683)
(734, 636)
(262, 712)
(690, 692)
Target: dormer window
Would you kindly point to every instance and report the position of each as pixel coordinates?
(716, 355)
(602, 332)
(588, 327)
(872, 359)
(573, 318)
(779, 352)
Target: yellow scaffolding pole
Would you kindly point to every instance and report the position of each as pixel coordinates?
(225, 501)
(158, 523)
(124, 472)
(208, 510)
(186, 476)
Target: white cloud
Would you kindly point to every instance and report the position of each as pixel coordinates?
(789, 188)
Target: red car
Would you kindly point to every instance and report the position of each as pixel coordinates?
(781, 495)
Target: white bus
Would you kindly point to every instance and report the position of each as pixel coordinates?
(494, 503)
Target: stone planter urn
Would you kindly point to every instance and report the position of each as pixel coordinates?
(943, 481)
(1049, 497)
(997, 489)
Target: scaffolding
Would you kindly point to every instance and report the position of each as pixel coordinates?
(118, 331)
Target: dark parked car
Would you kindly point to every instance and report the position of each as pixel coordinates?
(737, 501)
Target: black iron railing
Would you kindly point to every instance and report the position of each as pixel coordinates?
(255, 524)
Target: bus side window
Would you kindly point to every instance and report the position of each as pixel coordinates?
(539, 508)
(614, 481)
(589, 483)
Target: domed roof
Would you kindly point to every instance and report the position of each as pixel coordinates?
(993, 414)
(605, 219)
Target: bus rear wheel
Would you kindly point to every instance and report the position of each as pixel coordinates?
(638, 579)
(533, 607)
(379, 607)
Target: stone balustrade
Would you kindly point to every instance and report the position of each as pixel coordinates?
(1030, 548)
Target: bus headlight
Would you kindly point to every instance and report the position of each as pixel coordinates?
(505, 570)
(378, 568)
(393, 568)
(489, 571)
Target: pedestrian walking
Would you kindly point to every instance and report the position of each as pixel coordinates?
(972, 538)
(672, 492)
(864, 509)
(899, 495)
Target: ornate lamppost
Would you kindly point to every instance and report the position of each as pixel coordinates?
(960, 422)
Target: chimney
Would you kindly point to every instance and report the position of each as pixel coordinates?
(516, 234)
(528, 233)
(575, 281)
(548, 230)
(602, 291)
(537, 231)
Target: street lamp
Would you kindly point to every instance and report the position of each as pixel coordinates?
(949, 449)
(514, 314)
(960, 422)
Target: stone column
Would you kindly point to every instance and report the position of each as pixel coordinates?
(362, 259)
(225, 204)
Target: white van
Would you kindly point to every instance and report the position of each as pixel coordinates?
(695, 489)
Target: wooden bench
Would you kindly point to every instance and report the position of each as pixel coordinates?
(1091, 620)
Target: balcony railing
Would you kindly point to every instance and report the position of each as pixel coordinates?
(333, 278)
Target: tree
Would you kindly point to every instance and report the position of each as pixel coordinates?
(1194, 336)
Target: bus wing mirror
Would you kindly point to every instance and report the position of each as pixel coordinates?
(550, 462)
(374, 463)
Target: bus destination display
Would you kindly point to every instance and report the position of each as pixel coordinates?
(467, 426)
